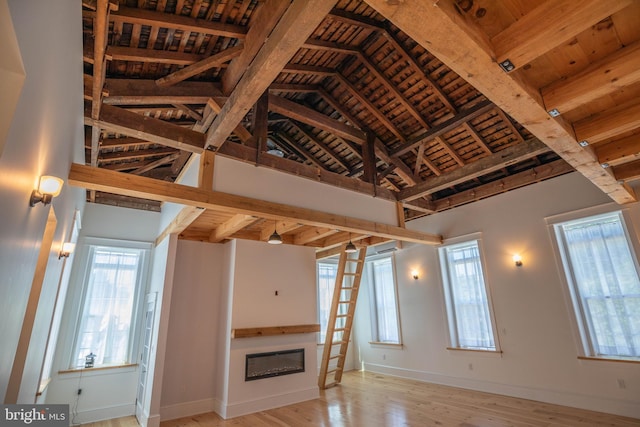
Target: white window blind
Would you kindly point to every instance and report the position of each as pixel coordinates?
(109, 305)
(385, 324)
(468, 308)
(602, 273)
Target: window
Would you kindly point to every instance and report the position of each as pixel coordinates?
(385, 327)
(467, 301)
(326, 284)
(602, 274)
(113, 281)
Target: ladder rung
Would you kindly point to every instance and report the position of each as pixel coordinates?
(350, 274)
(335, 383)
(343, 315)
(339, 330)
(332, 371)
(338, 342)
(353, 260)
(337, 356)
(348, 288)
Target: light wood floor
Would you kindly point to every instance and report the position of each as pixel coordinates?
(368, 399)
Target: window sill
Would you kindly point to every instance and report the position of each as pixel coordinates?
(609, 359)
(43, 386)
(385, 344)
(477, 350)
(99, 368)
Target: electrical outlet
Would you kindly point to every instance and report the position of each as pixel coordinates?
(79, 391)
(621, 383)
(471, 366)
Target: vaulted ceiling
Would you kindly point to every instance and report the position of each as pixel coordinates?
(428, 104)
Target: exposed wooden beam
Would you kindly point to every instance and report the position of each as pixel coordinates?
(521, 179)
(187, 24)
(134, 54)
(152, 165)
(153, 130)
(369, 106)
(308, 69)
(444, 127)
(314, 118)
(227, 228)
(628, 171)
(262, 23)
(364, 242)
(135, 154)
(510, 155)
(549, 25)
(201, 66)
(618, 151)
(130, 185)
(212, 108)
(206, 169)
(467, 56)
(144, 92)
(607, 124)
(282, 227)
(185, 217)
(324, 147)
(601, 78)
(401, 169)
(312, 235)
(370, 171)
(299, 148)
(296, 25)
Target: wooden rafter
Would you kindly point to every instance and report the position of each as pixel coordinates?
(200, 66)
(496, 161)
(609, 123)
(618, 151)
(231, 226)
(175, 22)
(295, 26)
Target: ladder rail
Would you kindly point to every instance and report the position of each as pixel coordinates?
(339, 300)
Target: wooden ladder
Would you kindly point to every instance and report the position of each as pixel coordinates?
(343, 307)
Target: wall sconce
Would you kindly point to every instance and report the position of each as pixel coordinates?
(67, 249)
(415, 275)
(517, 259)
(48, 188)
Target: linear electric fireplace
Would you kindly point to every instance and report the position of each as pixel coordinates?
(273, 364)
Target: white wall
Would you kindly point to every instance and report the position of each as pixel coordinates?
(260, 270)
(235, 177)
(45, 136)
(539, 359)
(191, 357)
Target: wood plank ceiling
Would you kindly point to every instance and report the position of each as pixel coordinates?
(345, 92)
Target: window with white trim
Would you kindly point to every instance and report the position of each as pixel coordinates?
(326, 272)
(469, 311)
(113, 281)
(602, 273)
(385, 324)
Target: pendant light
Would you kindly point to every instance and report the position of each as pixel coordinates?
(275, 238)
(350, 248)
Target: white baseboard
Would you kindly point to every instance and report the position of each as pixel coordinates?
(627, 408)
(270, 402)
(101, 414)
(186, 409)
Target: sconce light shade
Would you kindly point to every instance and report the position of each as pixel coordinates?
(48, 188)
(350, 248)
(415, 275)
(67, 249)
(275, 238)
(517, 259)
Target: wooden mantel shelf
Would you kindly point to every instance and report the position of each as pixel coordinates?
(265, 331)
